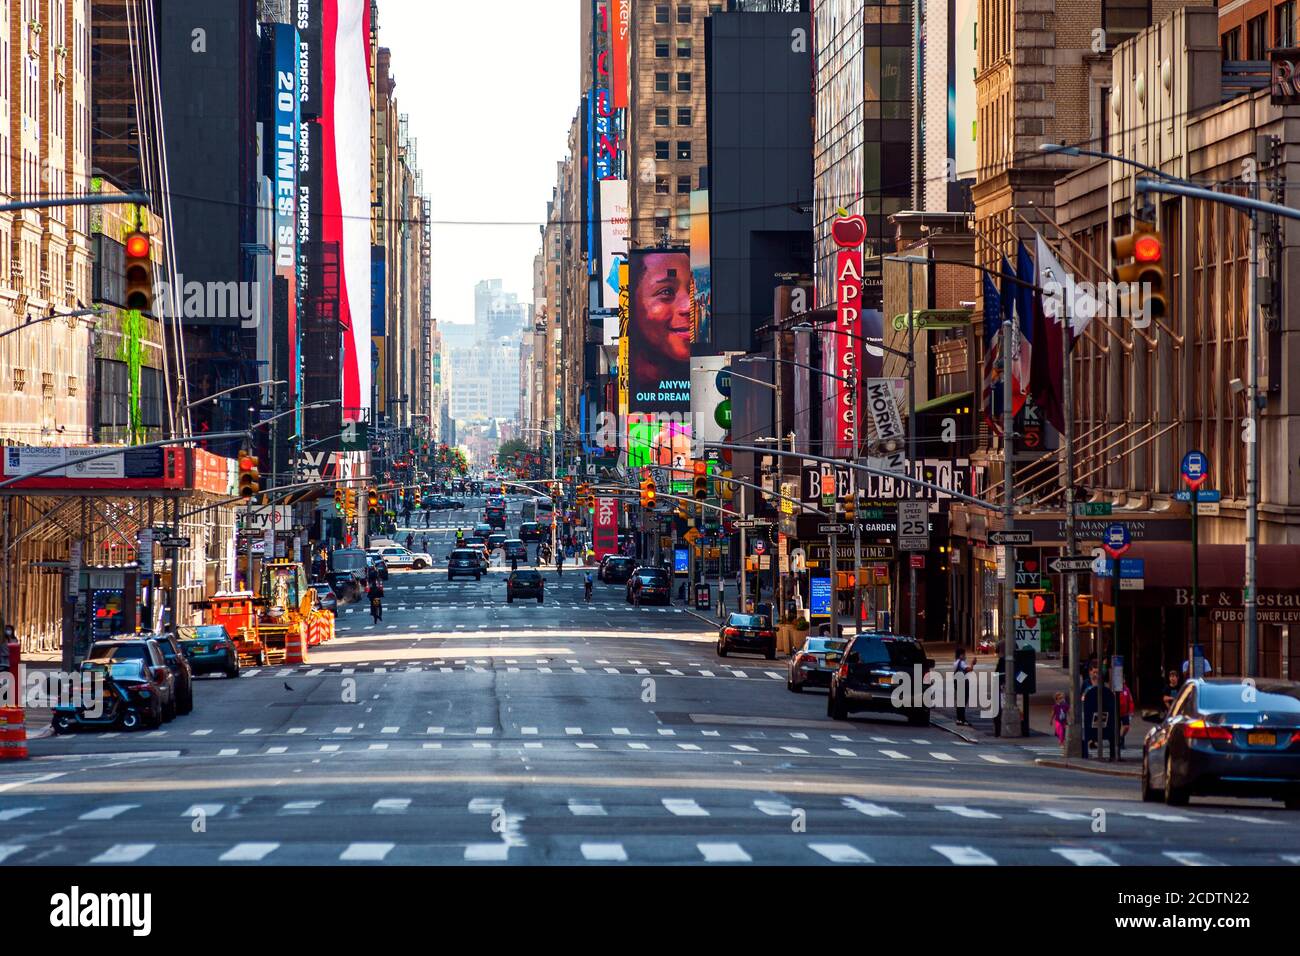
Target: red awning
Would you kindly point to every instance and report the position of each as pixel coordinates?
(1169, 564)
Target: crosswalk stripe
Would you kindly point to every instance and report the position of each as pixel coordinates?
(971, 813)
(773, 808)
(622, 731)
(794, 750)
(1062, 815)
(586, 808)
(993, 758)
(689, 746)
(124, 853)
(1191, 859)
(636, 746)
(895, 755)
(487, 852)
(14, 813)
(300, 806)
(109, 812)
(367, 852)
(723, 853)
(250, 731)
(604, 852)
(683, 807)
(842, 752)
(1080, 857)
(869, 809)
(248, 852)
(204, 810)
(745, 748)
(940, 755)
(277, 750)
(8, 850)
(391, 805)
(840, 852)
(965, 855)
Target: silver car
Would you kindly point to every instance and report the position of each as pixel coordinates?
(814, 663)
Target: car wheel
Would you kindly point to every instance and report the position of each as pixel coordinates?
(539, 599)
(1174, 796)
(169, 712)
(722, 649)
(131, 720)
(419, 565)
(63, 723)
(186, 704)
(793, 687)
(771, 653)
(835, 707)
(232, 673)
(1149, 794)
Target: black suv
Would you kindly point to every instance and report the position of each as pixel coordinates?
(616, 569)
(656, 585)
(165, 661)
(866, 678)
(525, 584)
(464, 561)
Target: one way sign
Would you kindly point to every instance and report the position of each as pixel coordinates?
(1072, 564)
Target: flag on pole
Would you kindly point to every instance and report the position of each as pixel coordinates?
(1021, 348)
(991, 397)
(1047, 369)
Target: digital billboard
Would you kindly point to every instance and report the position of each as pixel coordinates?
(701, 268)
(659, 331)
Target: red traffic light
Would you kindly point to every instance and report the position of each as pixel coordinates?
(1041, 604)
(137, 246)
(1147, 248)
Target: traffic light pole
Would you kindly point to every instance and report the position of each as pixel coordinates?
(1010, 710)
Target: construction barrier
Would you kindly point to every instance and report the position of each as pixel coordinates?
(295, 645)
(13, 734)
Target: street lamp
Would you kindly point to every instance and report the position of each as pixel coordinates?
(217, 395)
(75, 314)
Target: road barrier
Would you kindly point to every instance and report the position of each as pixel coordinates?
(295, 644)
(13, 734)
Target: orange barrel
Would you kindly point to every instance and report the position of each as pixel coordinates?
(13, 734)
(295, 645)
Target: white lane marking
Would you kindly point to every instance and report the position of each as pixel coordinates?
(481, 745)
(881, 740)
(993, 758)
(204, 810)
(773, 808)
(228, 752)
(840, 852)
(688, 747)
(667, 733)
(487, 852)
(683, 807)
(200, 733)
(604, 852)
(528, 730)
(940, 755)
(723, 853)
(109, 812)
(895, 755)
(15, 812)
(636, 746)
(844, 737)
(391, 805)
(612, 670)
(483, 731)
(965, 855)
(622, 731)
(390, 730)
(431, 746)
(1081, 857)
(1062, 815)
(843, 752)
(587, 747)
(746, 748)
(250, 731)
(706, 673)
(329, 748)
(273, 751)
(642, 670)
(248, 852)
(710, 733)
(299, 807)
(297, 730)
(1158, 817)
(586, 808)
(435, 730)
(573, 731)
(368, 852)
(314, 672)
(124, 853)
(971, 813)
(798, 736)
(794, 750)
(533, 746)
(868, 809)
(773, 674)
(1191, 859)
(675, 672)
(736, 673)
(9, 850)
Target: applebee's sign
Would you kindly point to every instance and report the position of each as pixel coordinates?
(848, 232)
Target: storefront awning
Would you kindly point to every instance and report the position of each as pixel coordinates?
(1169, 564)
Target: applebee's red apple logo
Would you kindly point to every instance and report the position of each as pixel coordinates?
(849, 232)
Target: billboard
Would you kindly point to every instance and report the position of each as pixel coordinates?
(615, 219)
(710, 398)
(283, 163)
(345, 121)
(624, 321)
(701, 272)
(620, 35)
(605, 536)
(659, 331)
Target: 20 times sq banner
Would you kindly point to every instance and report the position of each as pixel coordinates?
(659, 331)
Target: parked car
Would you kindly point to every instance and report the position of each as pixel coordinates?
(179, 665)
(209, 649)
(1226, 736)
(616, 569)
(325, 596)
(525, 584)
(150, 654)
(133, 695)
(814, 664)
(749, 633)
(866, 676)
(465, 562)
(515, 549)
(656, 585)
(530, 531)
(397, 557)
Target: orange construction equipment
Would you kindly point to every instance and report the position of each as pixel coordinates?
(239, 613)
(13, 734)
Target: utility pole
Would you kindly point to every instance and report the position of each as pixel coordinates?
(1010, 712)
(1073, 729)
(1250, 600)
(911, 437)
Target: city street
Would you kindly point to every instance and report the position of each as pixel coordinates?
(465, 729)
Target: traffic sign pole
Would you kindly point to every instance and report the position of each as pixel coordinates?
(1010, 706)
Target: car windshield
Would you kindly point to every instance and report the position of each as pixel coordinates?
(527, 577)
(324, 590)
(1245, 698)
(201, 632)
(819, 645)
(652, 575)
(348, 560)
(127, 670)
(464, 554)
(126, 651)
(747, 620)
(874, 650)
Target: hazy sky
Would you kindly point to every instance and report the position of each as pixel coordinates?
(490, 89)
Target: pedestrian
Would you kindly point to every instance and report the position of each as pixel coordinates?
(1205, 669)
(559, 561)
(1060, 714)
(424, 543)
(636, 590)
(1126, 709)
(999, 669)
(1172, 687)
(962, 669)
(1094, 686)
(376, 594)
(410, 541)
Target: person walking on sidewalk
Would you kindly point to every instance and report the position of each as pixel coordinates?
(1060, 715)
(376, 594)
(962, 669)
(1126, 709)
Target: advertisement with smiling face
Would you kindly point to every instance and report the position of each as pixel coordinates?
(659, 344)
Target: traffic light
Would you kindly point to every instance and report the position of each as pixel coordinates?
(1035, 603)
(701, 486)
(351, 502)
(417, 498)
(681, 509)
(372, 500)
(648, 495)
(249, 477)
(139, 272)
(1144, 277)
(726, 490)
(851, 509)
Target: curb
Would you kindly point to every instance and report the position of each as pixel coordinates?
(1083, 765)
(943, 723)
